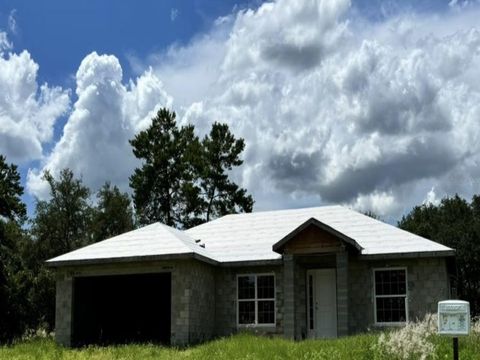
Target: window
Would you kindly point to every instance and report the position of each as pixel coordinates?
(390, 295)
(256, 299)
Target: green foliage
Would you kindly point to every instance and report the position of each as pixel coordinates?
(184, 181)
(373, 215)
(62, 223)
(221, 152)
(455, 223)
(12, 214)
(14, 285)
(162, 187)
(241, 346)
(11, 207)
(113, 214)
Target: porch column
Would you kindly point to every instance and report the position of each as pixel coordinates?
(289, 296)
(342, 293)
(63, 309)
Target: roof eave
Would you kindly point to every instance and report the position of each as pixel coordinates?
(408, 255)
(125, 259)
(252, 263)
(278, 246)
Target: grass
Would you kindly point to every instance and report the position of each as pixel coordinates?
(241, 346)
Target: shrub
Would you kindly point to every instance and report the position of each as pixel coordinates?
(413, 341)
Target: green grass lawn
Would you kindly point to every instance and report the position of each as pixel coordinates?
(242, 346)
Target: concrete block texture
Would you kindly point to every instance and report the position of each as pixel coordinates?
(226, 299)
(427, 283)
(204, 297)
(63, 309)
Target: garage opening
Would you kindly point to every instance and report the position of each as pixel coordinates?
(122, 309)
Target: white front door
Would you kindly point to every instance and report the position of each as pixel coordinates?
(322, 303)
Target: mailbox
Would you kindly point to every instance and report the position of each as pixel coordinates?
(454, 317)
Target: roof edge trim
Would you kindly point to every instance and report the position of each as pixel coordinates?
(100, 261)
(406, 255)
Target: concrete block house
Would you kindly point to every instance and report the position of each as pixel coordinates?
(304, 273)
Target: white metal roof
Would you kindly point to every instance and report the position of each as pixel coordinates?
(250, 237)
(153, 240)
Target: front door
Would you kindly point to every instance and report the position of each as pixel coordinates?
(322, 303)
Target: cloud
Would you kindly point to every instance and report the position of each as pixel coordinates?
(4, 43)
(173, 14)
(28, 110)
(12, 22)
(334, 108)
(106, 115)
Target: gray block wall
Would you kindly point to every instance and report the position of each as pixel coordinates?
(427, 284)
(300, 302)
(192, 303)
(204, 298)
(63, 309)
(201, 301)
(342, 292)
(289, 296)
(226, 301)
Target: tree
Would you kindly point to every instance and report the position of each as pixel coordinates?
(163, 188)
(184, 181)
(11, 207)
(62, 223)
(113, 214)
(455, 223)
(12, 214)
(221, 152)
(372, 214)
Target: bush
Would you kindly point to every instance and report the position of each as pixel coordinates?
(413, 341)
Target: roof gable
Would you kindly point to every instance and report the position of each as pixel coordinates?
(313, 236)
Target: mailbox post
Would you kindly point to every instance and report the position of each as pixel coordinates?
(454, 320)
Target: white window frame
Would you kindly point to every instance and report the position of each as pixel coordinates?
(256, 300)
(375, 296)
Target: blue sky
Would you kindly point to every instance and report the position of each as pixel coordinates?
(299, 81)
(59, 34)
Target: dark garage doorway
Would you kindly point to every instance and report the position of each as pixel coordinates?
(122, 309)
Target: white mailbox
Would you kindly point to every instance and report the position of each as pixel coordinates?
(453, 317)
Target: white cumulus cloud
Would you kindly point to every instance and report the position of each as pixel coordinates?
(333, 108)
(28, 110)
(106, 115)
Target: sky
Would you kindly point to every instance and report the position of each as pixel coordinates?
(371, 104)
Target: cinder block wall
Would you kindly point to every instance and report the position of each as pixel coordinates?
(427, 284)
(192, 302)
(63, 309)
(226, 303)
(300, 277)
(201, 301)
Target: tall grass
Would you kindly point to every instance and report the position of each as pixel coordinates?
(397, 344)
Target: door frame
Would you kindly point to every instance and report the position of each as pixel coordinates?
(310, 288)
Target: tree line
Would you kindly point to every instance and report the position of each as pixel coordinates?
(182, 181)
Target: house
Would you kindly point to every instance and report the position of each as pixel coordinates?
(304, 273)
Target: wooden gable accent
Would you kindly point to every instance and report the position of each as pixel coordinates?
(313, 240)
